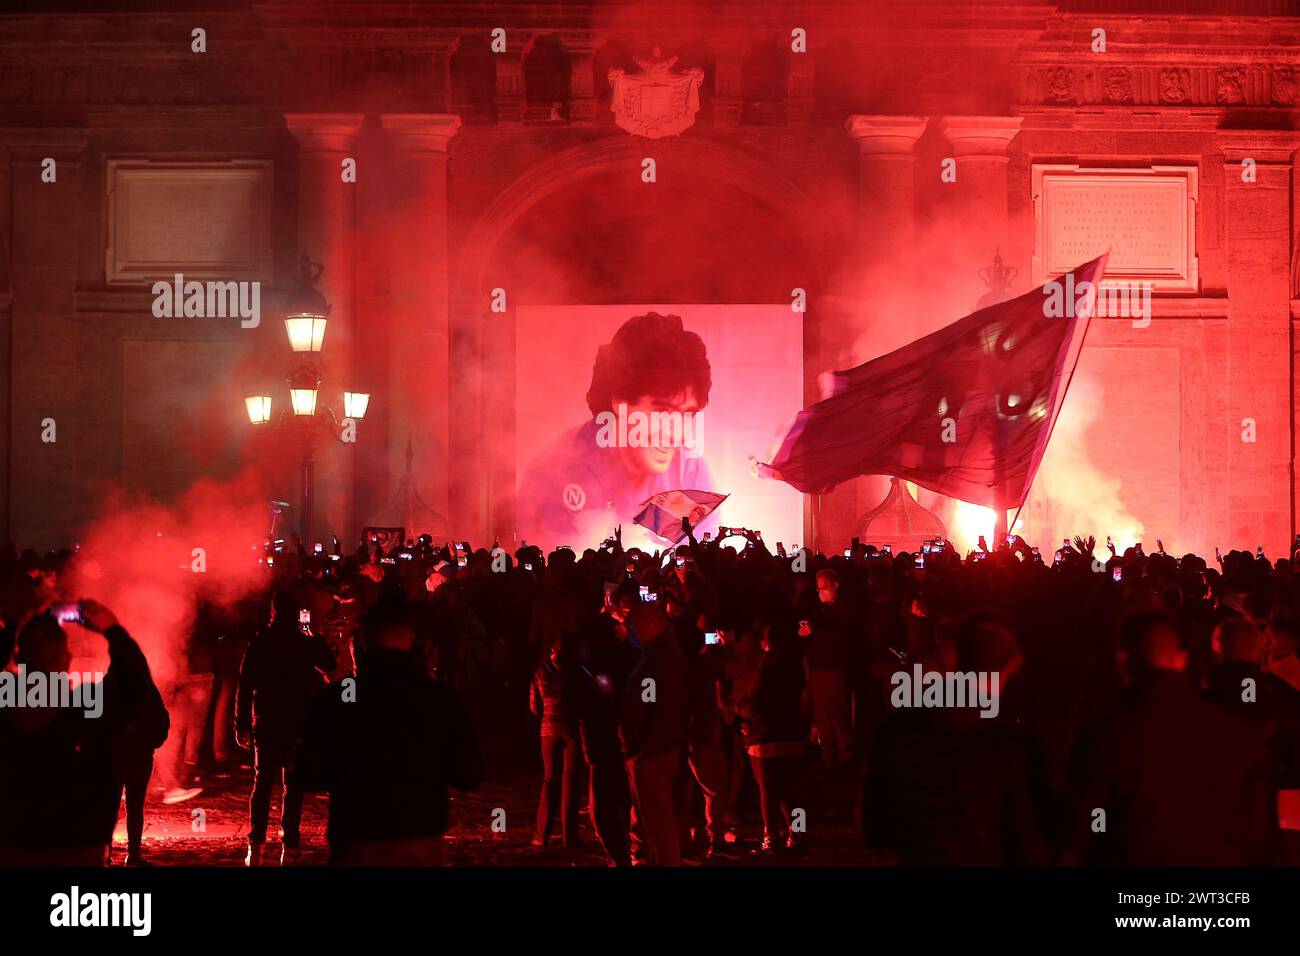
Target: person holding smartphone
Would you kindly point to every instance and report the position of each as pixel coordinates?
(282, 671)
(60, 797)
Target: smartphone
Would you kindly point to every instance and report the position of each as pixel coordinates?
(318, 548)
(334, 557)
(1117, 574)
(304, 619)
(406, 555)
(528, 565)
(645, 592)
(886, 549)
(681, 562)
(711, 637)
(460, 561)
(67, 613)
(848, 552)
(1259, 552)
(1010, 540)
(394, 561)
(651, 596)
(920, 560)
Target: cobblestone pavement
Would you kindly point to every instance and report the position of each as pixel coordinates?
(181, 835)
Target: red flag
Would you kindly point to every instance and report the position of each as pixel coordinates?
(965, 411)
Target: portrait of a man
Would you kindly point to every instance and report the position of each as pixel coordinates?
(649, 385)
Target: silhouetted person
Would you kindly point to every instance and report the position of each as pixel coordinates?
(608, 663)
(652, 727)
(947, 786)
(1170, 778)
(282, 671)
(554, 698)
(776, 736)
(830, 636)
(1271, 705)
(60, 796)
(387, 757)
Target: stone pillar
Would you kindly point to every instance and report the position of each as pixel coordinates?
(327, 234)
(1257, 239)
(728, 99)
(420, 383)
(976, 219)
(800, 101)
(510, 85)
(47, 497)
(886, 217)
(582, 79)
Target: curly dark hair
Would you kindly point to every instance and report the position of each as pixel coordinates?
(650, 354)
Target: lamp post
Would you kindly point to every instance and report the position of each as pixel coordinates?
(306, 317)
(998, 278)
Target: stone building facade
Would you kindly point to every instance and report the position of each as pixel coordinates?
(481, 169)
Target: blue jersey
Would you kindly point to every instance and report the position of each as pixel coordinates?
(575, 493)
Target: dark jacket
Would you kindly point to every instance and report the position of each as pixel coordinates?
(281, 673)
(831, 645)
(1274, 713)
(555, 697)
(613, 659)
(59, 787)
(651, 728)
(951, 788)
(387, 758)
(777, 715)
(1183, 782)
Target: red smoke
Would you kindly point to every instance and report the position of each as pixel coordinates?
(151, 562)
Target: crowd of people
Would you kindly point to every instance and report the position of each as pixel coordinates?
(1144, 708)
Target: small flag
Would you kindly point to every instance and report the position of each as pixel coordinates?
(663, 513)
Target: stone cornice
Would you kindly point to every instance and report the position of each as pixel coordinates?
(325, 132)
(421, 132)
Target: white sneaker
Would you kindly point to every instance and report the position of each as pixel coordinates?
(257, 855)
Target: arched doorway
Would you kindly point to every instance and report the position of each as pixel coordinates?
(582, 228)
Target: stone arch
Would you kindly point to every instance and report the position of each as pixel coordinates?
(704, 166)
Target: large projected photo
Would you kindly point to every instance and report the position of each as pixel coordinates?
(620, 405)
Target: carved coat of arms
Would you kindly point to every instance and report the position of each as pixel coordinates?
(658, 101)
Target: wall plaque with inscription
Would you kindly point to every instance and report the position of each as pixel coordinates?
(1145, 217)
(207, 220)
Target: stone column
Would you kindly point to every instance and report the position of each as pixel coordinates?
(327, 233)
(728, 86)
(1257, 246)
(886, 217)
(976, 219)
(582, 81)
(510, 84)
(420, 383)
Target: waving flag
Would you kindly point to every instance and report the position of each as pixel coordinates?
(965, 411)
(663, 513)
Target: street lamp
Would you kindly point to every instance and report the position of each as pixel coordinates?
(304, 384)
(306, 316)
(355, 404)
(259, 409)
